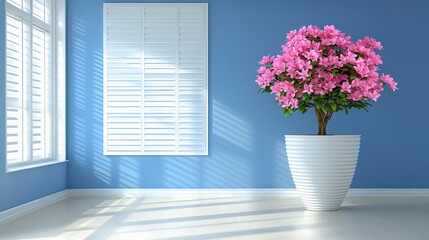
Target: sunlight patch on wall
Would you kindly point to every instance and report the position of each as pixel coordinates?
(78, 63)
(228, 169)
(181, 172)
(282, 175)
(128, 172)
(231, 128)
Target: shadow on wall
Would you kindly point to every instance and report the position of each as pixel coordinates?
(282, 177)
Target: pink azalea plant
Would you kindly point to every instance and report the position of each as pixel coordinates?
(324, 69)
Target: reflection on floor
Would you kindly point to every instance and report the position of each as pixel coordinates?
(222, 218)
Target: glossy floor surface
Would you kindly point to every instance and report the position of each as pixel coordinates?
(222, 218)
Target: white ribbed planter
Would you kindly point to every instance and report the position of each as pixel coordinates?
(322, 168)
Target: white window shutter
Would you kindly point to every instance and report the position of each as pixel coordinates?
(32, 93)
(155, 79)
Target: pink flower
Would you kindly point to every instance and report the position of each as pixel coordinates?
(267, 60)
(291, 34)
(320, 90)
(329, 86)
(356, 83)
(308, 88)
(346, 87)
(268, 75)
(298, 93)
(290, 88)
(265, 79)
(370, 43)
(393, 86)
(303, 74)
(348, 57)
(361, 68)
(279, 65)
(324, 62)
(287, 87)
(262, 82)
(312, 54)
(355, 96)
(313, 31)
(277, 87)
(327, 76)
(262, 70)
(389, 80)
(374, 95)
(284, 100)
(293, 103)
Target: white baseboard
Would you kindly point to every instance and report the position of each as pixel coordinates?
(27, 208)
(30, 207)
(241, 192)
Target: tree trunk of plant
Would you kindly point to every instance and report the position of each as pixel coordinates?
(322, 119)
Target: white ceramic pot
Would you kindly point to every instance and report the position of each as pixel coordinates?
(322, 168)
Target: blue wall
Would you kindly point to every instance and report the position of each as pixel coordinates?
(23, 186)
(246, 129)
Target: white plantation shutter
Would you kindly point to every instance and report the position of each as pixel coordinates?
(155, 79)
(31, 82)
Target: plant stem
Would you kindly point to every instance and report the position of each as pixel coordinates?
(322, 120)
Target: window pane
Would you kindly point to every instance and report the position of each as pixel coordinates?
(41, 95)
(14, 135)
(17, 91)
(21, 4)
(42, 140)
(42, 10)
(14, 61)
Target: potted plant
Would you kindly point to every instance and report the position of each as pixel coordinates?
(323, 69)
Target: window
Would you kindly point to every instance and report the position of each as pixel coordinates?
(35, 82)
(155, 79)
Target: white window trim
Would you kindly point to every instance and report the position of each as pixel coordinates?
(37, 164)
(58, 18)
(205, 151)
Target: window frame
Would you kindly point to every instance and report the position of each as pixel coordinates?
(56, 29)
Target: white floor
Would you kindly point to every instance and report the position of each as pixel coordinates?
(223, 218)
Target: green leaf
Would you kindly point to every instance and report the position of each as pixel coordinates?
(296, 85)
(352, 76)
(334, 106)
(304, 96)
(347, 111)
(335, 72)
(325, 108)
(285, 112)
